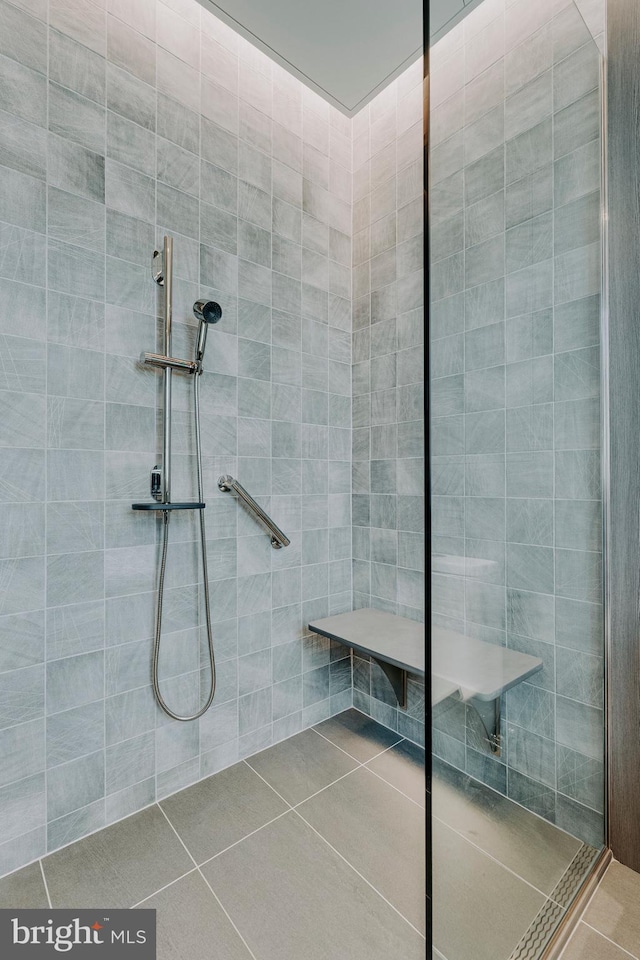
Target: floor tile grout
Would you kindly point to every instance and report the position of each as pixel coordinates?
(357, 872)
(334, 744)
(166, 887)
(213, 893)
(393, 786)
(224, 910)
(289, 808)
(494, 859)
(360, 765)
(293, 809)
(46, 885)
(268, 784)
(245, 837)
(178, 836)
(608, 939)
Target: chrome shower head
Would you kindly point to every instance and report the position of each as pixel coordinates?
(206, 311)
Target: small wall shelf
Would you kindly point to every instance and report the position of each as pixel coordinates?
(154, 505)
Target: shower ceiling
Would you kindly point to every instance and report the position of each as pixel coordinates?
(346, 50)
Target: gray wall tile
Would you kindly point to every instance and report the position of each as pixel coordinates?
(522, 183)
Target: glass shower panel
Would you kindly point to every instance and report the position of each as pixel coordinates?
(516, 490)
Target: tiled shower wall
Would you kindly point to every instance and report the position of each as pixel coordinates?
(516, 436)
(120, 121)
(388, 378)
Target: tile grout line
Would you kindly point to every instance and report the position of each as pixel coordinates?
(222, 907)
(246, 836)
(177, 835)
(440, 954)
(359, 766)
(290, 806)
(166, 887)
(357, 872)
(399, 740)
(397, 789)
(605, 937)
(214, 894)
(269, 785)
(46, 885)
(494, 860)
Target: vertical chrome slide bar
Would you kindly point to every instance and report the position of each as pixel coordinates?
(167, 283)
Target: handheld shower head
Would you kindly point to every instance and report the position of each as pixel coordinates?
(207, 311)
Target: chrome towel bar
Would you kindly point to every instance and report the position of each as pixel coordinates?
(278, 538)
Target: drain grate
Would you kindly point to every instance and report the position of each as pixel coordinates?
(568, 884)
(539, 932)
(546, 921)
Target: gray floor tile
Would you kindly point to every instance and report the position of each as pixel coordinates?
(587, 944)
(191, 923)
(118, 866)
(403, 767)
(300, 766)
(292, 897)
(217, 812)
(614, 909)
(534, 849)
(24, 889)
(380, 832)
(360, 736)
(467, 885)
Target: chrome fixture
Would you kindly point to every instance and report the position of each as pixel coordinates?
(159, 360)
(207, 312)
(278, 538)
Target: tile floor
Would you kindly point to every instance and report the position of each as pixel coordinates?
(487, 850)
(610, 927)
(313, 848)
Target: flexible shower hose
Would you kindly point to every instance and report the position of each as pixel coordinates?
(163, 567)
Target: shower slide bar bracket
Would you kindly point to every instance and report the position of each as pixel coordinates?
(278, 538)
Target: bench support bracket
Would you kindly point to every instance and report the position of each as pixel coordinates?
(489, 713)
(398, 680)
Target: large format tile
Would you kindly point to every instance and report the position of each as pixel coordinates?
(534, 849)
(614, 909)
(404, 768)
(191, 923)
(24, 889)
(118, 866)
(301, 766)
(291, 896)
(467, 886)
(217, 812)
(586, 944)
(380, 832)
(358, 735)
